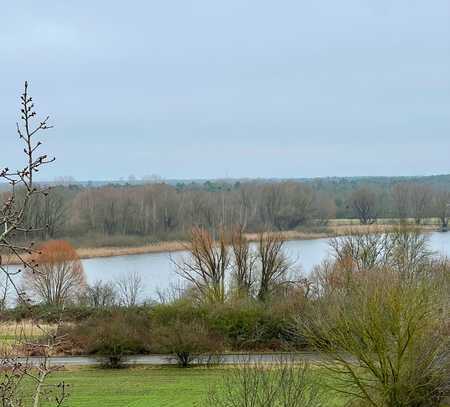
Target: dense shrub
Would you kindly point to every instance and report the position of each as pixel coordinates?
(184, 310)
(112, 336)
(250, 326)
(48, 313)
(243, 325)
(186, 341)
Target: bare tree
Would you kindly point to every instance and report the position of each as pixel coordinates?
(441, 206)
(363, 202)
(325, 208)
(286, 205)
(356, 251)
(129, 289)
(206, 266)
(273, 264)
(100, 295)
(401, 195)
(61, 276)
(420, 201)
(403, 249)
(244, 262)
(48, 213)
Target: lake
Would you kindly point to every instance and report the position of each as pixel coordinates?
(157, 269)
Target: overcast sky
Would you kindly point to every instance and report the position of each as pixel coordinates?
(231, 88)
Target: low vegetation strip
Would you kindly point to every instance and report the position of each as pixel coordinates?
(145, 386)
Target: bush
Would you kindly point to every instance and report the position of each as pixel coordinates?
(386, 337)
(249, 326)
(187, 342)
(48, 313)
(112, 336)
(242, 325)
(280, 385)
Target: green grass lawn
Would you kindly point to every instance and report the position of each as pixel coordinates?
(140, 386)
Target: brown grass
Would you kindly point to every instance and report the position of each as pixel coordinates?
(14, 334)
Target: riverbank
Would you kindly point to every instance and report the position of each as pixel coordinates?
(176, 246)
(335, 228)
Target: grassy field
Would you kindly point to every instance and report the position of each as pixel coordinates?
(141, 386)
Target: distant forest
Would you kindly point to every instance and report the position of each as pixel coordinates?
(168, 210)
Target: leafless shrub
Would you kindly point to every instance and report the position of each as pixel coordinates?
(175, 292)
(129, 289)
(100, 295)
(282, 384)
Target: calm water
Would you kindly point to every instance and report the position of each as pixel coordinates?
(157, 269)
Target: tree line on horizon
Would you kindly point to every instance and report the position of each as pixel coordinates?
(163, 211)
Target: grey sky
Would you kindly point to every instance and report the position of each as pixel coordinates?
(236, 88)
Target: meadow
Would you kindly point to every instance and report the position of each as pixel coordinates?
(144, 386)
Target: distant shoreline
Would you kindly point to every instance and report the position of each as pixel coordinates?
(177, 246)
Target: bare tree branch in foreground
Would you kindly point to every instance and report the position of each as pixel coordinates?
(16, 369)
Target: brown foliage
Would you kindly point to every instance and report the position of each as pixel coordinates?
(59, 276)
